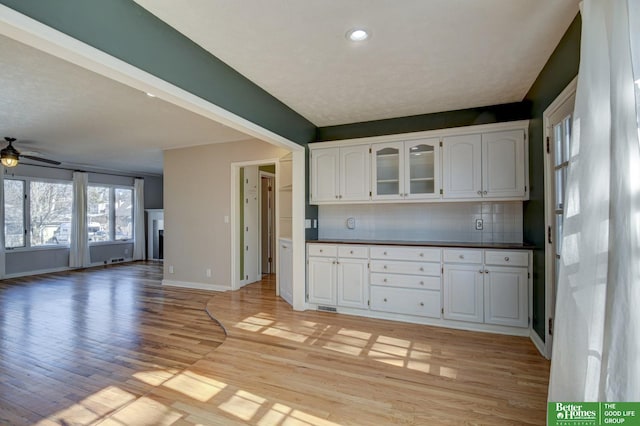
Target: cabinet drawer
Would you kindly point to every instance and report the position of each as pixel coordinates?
(462, 256)
(356, 252)
(506, 258)
(406, 301)
(426, 254)
(411, 281)
(411, 268)
(322, 250)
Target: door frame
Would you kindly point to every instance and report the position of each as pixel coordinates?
(549, 220)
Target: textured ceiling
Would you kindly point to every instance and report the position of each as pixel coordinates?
(424, 55)
(69, 114)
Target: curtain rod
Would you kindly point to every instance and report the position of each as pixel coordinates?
(74, 170)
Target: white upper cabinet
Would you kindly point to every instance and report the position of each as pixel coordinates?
(387, 171)
(340, 174)
(406, 170)
(491, 165)
(503, 171)
(462, 163)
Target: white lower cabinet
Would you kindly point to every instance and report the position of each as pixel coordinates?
(477, 288)
(338, 275)
(432, 285)
(463, 293)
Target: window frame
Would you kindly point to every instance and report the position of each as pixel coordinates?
(27, 213)
(112, 212)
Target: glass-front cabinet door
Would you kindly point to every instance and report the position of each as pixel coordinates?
(387, 170)
(422, 174)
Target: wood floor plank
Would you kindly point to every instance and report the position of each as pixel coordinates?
(112, 346)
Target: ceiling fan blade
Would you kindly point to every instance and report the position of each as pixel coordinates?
(44, 160)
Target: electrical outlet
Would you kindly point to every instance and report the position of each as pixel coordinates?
(351, 223)
(479, 224)
(208, 273)
(171, 269)
(126, 251)
(307, 223)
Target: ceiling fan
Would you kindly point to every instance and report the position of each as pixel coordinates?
(9, 156)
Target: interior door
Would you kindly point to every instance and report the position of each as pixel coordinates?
(267, 224)
(251, 215)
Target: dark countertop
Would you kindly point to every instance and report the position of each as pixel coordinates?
(444, 244)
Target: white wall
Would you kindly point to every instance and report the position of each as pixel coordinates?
(197, 197)
(502, 222)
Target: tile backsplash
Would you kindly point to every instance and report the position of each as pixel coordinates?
(455, 222)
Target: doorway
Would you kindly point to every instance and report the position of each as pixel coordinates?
(558, 122)
(257, 222)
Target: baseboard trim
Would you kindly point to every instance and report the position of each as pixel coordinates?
(195, 285)
(38, 272)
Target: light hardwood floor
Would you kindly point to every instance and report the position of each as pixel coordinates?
(113, 347)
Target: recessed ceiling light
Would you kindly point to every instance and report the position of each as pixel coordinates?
(151, 95)
(358, 34)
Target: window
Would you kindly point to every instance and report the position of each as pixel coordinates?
(124, 218)
(45, 212)
(50, 212)
(110, 213)
(14, 228)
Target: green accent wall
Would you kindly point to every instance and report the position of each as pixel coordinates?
(557, 73)
(129, 32)
(417, 123)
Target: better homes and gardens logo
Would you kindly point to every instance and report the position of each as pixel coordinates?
(576, 413)
(593, 413)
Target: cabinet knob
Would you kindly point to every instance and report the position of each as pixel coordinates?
(479, 192)
(484, 192)
(385, 253)
(486, 271)
(336, 197)
(421, 269)
(385, 280)
(421, 303)
(461, 256)
(506, 259)
(421, 254)
(481, 271)
(385, 299)
(351, 252)
(341, 196)
(384, 267)
(421, 282)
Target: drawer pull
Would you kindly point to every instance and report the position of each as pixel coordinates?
(320, 250)
(421, 303)
(484, 192)
(385, 280)
(421, 268)
(486, 271)
(385, 299)
(385, 253)
(481, 271)
(506, 259)
(351, 252)
(479, 192)
(384, 267)
(421, 254)
(461, 256)
(421, 282)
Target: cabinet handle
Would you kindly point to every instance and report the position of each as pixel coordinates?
(340, 197)
(351, 252)
(480, 193)
(336, 197)
(320, 250)
(385, 280)
(385, 253)
(486, 272)
(384, 267)
(421, 254)
(506, 258)
(462, 256)
(421, 303)
(421, 269)
(481, 271)
(421, 282)
(484, 192)
(385, 299)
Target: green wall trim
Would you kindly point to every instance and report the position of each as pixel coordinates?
(560, 69)
(416, 123)
(127, 31)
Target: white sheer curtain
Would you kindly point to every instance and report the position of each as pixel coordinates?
(139, 241)
(2, 257)
(596, 348)
(79, 256)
